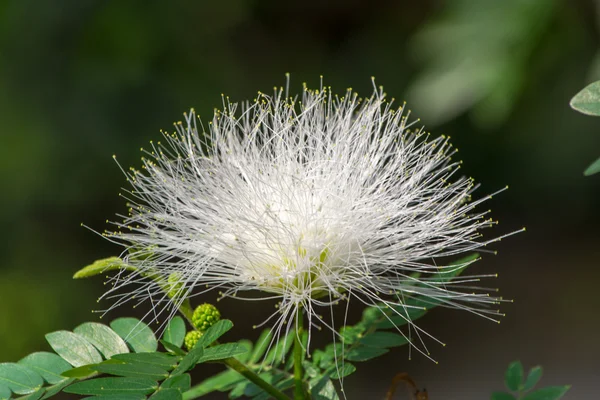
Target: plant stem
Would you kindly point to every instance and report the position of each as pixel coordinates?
(186, 310)
(298, 356)
(237, 366)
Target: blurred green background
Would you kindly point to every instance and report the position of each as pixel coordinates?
(81, 80)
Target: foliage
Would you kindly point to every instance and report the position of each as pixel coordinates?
(587, 101)
(124, 359)
(484, 76)
(121, 360)
(515, 381)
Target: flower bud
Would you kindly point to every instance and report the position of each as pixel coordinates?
(205, 316)
(191, 338)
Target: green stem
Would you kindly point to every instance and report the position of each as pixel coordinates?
(237, 366)
(186, 310)
(298, 356)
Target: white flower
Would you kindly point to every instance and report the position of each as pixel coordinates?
(309, 201)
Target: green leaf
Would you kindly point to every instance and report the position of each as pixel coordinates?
(342, 371)
(534, 376)
(513, 377)
(280, 349)
(19, 378)
(364, 353)
(310, 370)
(351, 334)
(587, 101)
(133, 370)
(137, 334)
(172, 348)
(101, 266)
(33, 396)
(252, 389)
(323, 389)
(188, 361)
(221, 352)
(214, 332)
(83, 372)
(327, 358)
(239, 390)
(594, 168)
(218, 382)
(243, 357)
(162, 360)
(401, 315)
(261, 346)
(371, 315)
(55, 389)
(4, 392)
(73, 348)
(103, 338)
(175, 331)
(116, 386)
(180, 382)
(548, 393)
(285, 383)
(48, 365)
(167, 394)
(502, 396)
(383, 339)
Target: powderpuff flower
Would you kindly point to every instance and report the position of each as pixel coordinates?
(310, 200)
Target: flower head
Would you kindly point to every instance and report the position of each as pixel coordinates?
(310, 200)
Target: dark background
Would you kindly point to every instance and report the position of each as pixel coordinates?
(81, 80)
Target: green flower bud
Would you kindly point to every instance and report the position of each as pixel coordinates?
(174, 285)
(205, 316)
(191, 338)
